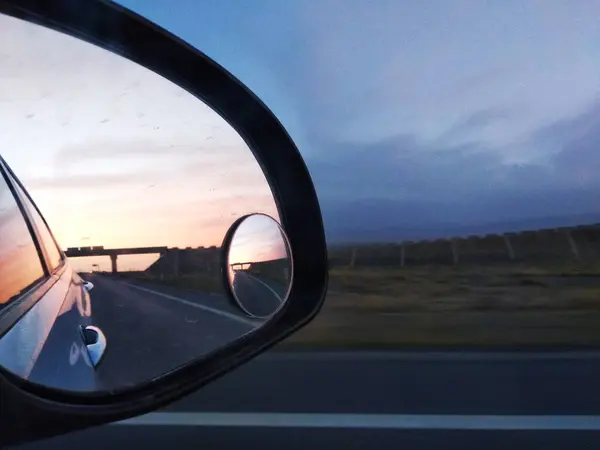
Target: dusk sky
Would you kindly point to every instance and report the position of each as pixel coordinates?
(115, 155)
(421, 115)
(416, 117)
(257, 239)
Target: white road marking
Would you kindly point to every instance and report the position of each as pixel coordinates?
(367, 421)
(424, 355)
(218, 312)
(265, 285)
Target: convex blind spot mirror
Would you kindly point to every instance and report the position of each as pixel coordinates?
(200, 243)
(258, 265)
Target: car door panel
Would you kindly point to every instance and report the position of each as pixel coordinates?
(29, 334)
(48, 335)
(64, 359)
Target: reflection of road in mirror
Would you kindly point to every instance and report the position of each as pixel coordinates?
(153, 328)
(259, 265)
(261, 297)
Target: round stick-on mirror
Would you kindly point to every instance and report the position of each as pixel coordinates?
(257, 265)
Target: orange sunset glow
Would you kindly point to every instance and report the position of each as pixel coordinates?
(257, 239)
(116, 156)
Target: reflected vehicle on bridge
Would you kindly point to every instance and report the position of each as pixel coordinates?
(56, 338)
(113, 253)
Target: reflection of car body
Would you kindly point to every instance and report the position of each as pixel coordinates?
(44, 303)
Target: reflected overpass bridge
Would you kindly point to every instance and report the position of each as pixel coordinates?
(113, 253)
(279, 266)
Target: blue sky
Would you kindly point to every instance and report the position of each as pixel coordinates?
(420, 113)
(416, 119)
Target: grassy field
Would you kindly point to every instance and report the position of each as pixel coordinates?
(448, 306)
(458, 306)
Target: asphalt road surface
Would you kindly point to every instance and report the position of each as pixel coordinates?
(151, 329)
(376, 400)
(256, 296)
(332, 400)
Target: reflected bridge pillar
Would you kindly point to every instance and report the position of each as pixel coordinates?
(175, 262)
(113, 263)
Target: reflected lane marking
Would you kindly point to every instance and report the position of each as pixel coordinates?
(218, 312)
(252, 277)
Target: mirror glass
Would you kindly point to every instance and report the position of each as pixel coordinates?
(131, 184)
(258, 265)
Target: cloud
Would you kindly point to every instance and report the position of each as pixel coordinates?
(574, 141)
(92, 181)
(422, 189)
(415, 118)
(402, 167)
(188, 158)
(478, 120)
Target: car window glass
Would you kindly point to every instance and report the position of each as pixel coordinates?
(54, 255)
(20, 265)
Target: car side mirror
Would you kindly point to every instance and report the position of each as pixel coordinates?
(244, 270)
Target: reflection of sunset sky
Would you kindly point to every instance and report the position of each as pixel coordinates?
(257, 239)
(115, 155)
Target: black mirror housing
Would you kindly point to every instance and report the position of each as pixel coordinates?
(28, 411)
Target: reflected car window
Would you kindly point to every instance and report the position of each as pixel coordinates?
(54, 255)
(20, 265)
